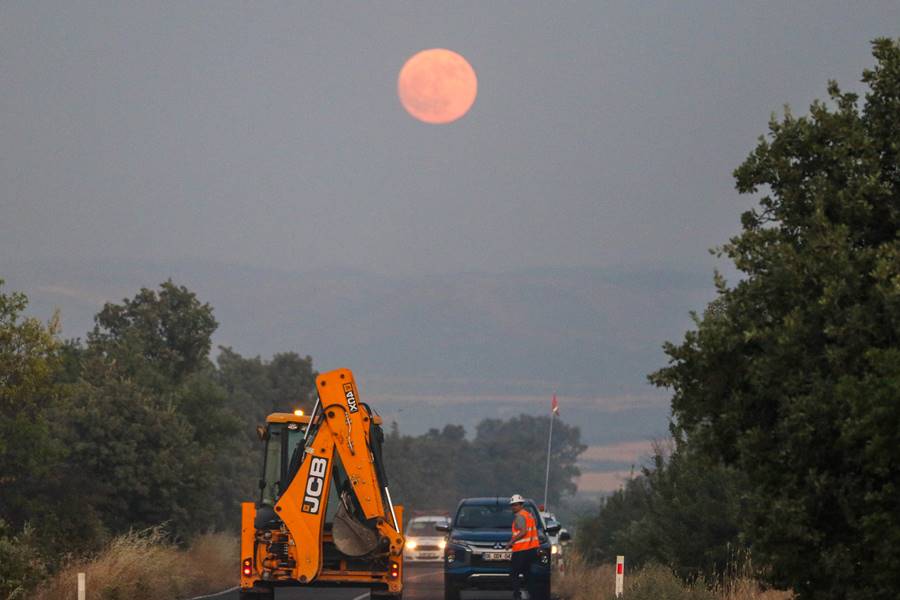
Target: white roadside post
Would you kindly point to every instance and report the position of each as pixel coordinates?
(620, 575)
(81, 587)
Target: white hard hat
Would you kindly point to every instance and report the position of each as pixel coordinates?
(517, 499)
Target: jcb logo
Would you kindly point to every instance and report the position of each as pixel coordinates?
(351, 397)
(315, 485)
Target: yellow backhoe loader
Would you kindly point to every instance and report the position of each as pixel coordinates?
(325, 515)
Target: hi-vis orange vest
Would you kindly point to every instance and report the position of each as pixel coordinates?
(531, 533)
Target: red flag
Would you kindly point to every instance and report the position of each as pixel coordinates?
(554, 406)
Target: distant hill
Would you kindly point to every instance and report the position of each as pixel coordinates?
(430, 349)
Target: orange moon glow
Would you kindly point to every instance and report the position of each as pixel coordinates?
(437, 86)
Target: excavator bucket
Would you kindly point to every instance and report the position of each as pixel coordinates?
(350, 536)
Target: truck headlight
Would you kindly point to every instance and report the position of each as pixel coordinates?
(554, 549)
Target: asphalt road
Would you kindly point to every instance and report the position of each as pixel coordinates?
(422, 581)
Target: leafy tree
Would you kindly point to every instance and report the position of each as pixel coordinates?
(516, 451)
(28, 453)
(682, 512)
(415, 463)
(21, 567)
(156, 337)
(792, 375)
(138, 462)
(256, 387)
(147, 422)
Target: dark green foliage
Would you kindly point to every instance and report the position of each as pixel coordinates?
(21, 567)
(682, 512)
(155, 337)
(514, 455)
(29, 455)
(437, 469)
(138, 462)
(256, 387)
(792, 375)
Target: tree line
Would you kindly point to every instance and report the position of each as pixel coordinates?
(136, 426)
(133, 427)
(786, 393)
(435, 470)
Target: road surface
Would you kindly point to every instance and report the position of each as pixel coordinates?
(423, 581)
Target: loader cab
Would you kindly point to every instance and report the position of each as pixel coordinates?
(283, 433)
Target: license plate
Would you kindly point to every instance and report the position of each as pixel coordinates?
(498, 556)
(428, 555)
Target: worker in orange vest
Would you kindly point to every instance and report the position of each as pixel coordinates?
(524, 544)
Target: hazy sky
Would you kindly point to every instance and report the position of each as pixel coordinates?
(550, 240)
(271, 134)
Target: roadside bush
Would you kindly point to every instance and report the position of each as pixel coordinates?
(583, 581)
(655, 582)
(145, 565)
(21, 568)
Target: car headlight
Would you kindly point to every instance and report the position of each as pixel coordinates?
(554, 549)
(442, 544)
(411, 544)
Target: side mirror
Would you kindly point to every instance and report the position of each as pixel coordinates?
(553, 529)
(262, 433)
(564, 535)
(442, 528)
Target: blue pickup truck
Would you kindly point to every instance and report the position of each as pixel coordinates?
(476, 557)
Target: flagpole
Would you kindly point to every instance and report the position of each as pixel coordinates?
(549, 444)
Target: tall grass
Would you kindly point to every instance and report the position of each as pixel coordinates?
(582, 581)
(144, 565)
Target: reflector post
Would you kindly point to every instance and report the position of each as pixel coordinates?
(620, 575)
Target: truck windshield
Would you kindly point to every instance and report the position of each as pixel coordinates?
(492, 516)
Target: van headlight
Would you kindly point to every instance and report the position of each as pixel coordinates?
(442, 544)
(554, 549)
(411, 544)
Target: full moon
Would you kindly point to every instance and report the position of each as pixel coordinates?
(437, 86)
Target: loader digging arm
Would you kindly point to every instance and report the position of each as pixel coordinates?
(340, 428)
